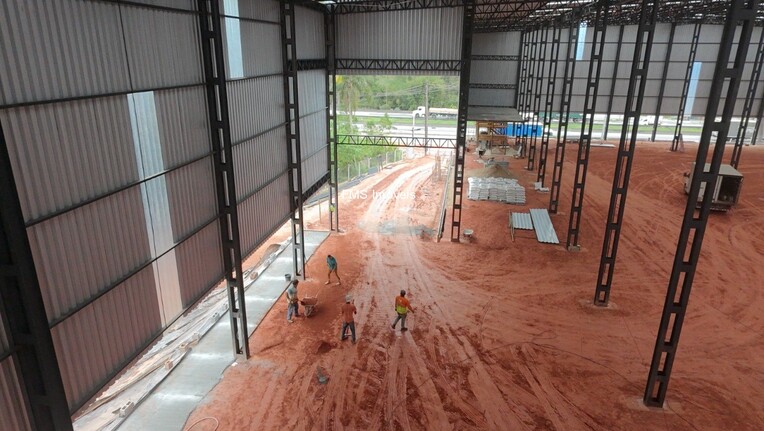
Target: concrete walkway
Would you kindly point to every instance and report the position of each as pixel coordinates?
(170, 404)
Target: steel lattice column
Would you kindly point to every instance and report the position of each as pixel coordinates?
(220, 132)
(331, 120)
(587, 123)
(294, 150)
(23, 312)
(632, 111)
(695, 220)
(748, 105)
(686, 87)
(528, 96)
(519, 83)
(613, 82)
(562, 127)
(461, 131)
(549, 103)
(666, 63)
(541, 59)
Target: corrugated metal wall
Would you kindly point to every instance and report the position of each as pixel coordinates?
(116, 182)
(13, 417)
(490, 65)
(309, 26)
(420, 34)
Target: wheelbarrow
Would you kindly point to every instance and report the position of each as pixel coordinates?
(309, 304)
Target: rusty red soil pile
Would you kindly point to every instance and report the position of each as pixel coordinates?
(504, 336)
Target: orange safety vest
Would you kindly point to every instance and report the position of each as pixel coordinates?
(401, 305)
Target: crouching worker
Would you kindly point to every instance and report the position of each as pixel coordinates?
(402, 307)
(292, 302)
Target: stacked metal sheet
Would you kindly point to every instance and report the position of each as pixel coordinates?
(543, 225)
(521, 221)
(496, 189)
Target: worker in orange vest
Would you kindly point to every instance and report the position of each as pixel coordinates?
(402, 307)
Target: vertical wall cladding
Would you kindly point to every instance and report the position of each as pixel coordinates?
(162, 47)
(65, 153)
(202, 261)
(14, 418)
(259, 161)
(45, 57)
(255, 106)
(116, 182)
(95, 343)
(491, 64)
(262, 213)
(309, 26)
(313, 139)
(421, 34)
(263, 10)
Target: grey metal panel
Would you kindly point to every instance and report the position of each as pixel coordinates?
(262, 213)
(83, 251)
(162, 48)
(13, 417)
(543, 225)
(255, 105)
(483, 97)
(314, 168)
(259, 160)
(200, 263)
(312, 85)
(45, 57)
(65, 153)
(496, 44)
(432, 34)
(309, 34)
(261, 48)
(312, 134)
(493, 72)
(191, 195)
(95, 343)
(522, 221)
(177, 4)
(267, 10)
(183, 124)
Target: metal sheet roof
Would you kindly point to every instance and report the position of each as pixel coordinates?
(493, 113)
(521, 221)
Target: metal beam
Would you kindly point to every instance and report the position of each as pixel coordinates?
(331, 120)
(549, 103)
(562, 126)
(397, 141)
(528, 97)
(412, 65)
(632, 111)
(664, 75)
(23, 312)
(748, 104)
(587, 123)
(518, 88)
(539, 87)
(613, 82)
(461, 130)
(294, 149)
(695, 220)
(222, 153)
(685, 87)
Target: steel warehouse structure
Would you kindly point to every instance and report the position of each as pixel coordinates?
(149, 145)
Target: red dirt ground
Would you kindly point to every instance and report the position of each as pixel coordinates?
(504, 336)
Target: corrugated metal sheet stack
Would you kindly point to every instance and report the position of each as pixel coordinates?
(496, 189)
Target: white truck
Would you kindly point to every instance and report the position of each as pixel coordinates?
(436, 112)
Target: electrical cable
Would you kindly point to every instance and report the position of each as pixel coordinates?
(217, 423)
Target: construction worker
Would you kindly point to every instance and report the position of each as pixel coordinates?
(292, 301)
(402, 307)
(348, 310)
(331, 262)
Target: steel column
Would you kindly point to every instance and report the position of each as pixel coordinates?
(562, 126)
(666, 63)
(759, 116)
(294, 150)
(522, 90)
(222, 153)
(23, 312)
(331, 120)
(741, 13)
(686, 87)
(613, 82)
(529, 96)
(549, 103)
(518, 88)
(540, 61)
(461, 130)
(632, 111)
(587, 123)
(748, 105)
